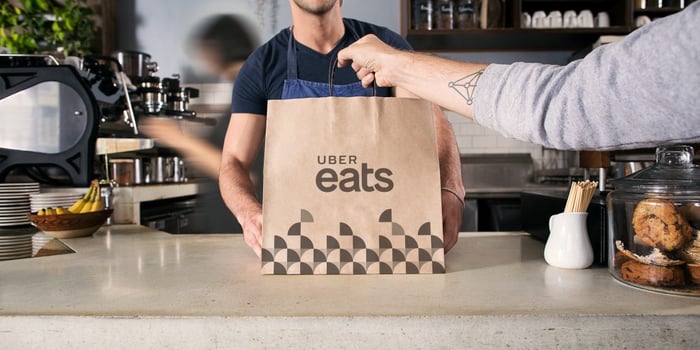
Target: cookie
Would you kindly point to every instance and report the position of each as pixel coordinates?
(652, 275)
(657, 223)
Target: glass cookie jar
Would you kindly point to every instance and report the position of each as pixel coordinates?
(654, 225)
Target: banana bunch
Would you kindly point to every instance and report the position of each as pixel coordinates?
(90, 202)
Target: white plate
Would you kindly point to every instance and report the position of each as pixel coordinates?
(14, 239)
(13, 210)
(15, 184)
(14, 201)
(4, 218)
(13, 245)
(18, 223)
(17, 256)
(18, 250)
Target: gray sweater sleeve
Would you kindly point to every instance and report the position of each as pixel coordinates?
(641, 91)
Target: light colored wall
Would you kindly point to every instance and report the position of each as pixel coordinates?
(161, 30)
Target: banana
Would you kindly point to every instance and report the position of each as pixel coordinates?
(41, 212)
(60, 211)
(88, 204)
(50, 211)
(99, 204)
(80, 203)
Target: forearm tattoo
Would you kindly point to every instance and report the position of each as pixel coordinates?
(465, 87)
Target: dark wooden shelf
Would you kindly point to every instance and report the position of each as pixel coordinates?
(509, 39)
(513, 38)
(664, 11)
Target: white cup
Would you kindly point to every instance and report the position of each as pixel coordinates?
(540, 20)
(568, 245)
(555, 19)
(642, 20)
(602, 20)
(585, 19)
(525, 20)
(570, 19)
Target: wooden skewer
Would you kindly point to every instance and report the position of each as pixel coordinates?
(580, 196)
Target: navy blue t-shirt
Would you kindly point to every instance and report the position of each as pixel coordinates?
(263, 74)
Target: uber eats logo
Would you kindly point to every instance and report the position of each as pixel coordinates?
(343, 173)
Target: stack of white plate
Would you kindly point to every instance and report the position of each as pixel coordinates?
(16, 243)
(14, 202)
(53, 200)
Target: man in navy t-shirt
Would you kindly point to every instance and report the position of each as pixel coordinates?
(298, 63)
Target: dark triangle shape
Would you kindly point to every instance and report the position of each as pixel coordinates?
(306, 243)
(424, 229)
(436, 242)
(293, 256)
(411, 268)
(411, 242)
(280, 243)
(424, 255)
(332, 243)
(266, 256)
(372, 256)
(384, 242)
(397, 256)
(74, 161)
(438, 268)
(280, 269)
(294, 230)
(319, 256)
(396, 229)
(345, 229)
(305, 269)
(16, 79)
(306, 216)
(345, 256)
(358, 269)
(332, 269)
(384, 268)
(386, 216)
(358, 243)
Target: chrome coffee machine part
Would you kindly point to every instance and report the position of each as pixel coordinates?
(136, 64)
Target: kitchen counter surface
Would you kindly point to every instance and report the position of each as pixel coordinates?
(132, 287)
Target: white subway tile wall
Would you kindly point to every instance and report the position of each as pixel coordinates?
(473, 138)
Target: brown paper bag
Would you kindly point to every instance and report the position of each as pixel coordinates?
(351, 186)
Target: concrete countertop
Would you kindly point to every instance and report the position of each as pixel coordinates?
(129, 286)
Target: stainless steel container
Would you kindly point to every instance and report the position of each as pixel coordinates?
(136, 64)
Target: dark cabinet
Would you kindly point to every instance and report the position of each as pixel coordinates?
(510, 34)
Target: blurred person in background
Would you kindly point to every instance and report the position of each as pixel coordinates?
(221, 43)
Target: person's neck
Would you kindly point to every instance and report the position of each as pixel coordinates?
(320, 33)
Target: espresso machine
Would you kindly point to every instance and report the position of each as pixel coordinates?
(60, 116)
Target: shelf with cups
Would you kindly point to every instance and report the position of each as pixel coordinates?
(525, 25)
(509, 39)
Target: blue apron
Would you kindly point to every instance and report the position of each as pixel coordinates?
(297, 88)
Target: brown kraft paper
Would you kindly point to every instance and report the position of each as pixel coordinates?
(351, 186)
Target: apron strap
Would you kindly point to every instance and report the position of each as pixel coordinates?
(292, 73)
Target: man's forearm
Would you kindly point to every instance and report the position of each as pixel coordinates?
(448, 153)
(450, 84)
(238, 190)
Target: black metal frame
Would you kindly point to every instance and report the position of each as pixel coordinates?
(76, 161)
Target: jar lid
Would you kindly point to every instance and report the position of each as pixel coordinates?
(674, 171)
